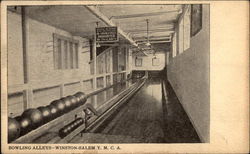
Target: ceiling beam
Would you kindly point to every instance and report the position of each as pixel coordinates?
(153, 34)
(166, 39)
(144, 14)
(154, 30)
(152, 37)
(105, 19)
(154, 42)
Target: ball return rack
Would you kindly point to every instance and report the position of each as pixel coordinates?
(93, 118)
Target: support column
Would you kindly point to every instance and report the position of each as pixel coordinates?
(28, 93)
(94, 71)
(24, 43)
(111, 66)
(126, 61)
(27, 98)
(62, 90)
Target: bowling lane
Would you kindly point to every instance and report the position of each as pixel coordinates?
(146, 118)
(141, 117)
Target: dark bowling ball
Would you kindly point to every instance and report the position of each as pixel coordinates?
(25, 124)
(68, 103)
(81, 121)
(77, 122)
(59, 104)
(63, 132)
(72, 126)
(14, 129)
(45, 113)
(73, 101)
(35, 116)
(78, 100)
(81, 96)
(53, 111)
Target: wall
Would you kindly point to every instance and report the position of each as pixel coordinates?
(61, 82)
(15, 76)
(188, 73)
(40, 63)
(147, 62)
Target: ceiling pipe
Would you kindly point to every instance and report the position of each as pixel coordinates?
(152, 37)
(155, 42)
(155, 39)
(148, 43)
(143, 14)
(106, 20)
(152, 30)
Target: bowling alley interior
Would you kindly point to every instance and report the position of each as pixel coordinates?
(108, 73)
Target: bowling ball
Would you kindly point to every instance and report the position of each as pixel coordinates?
(35, 116)
(59, 104)
(63, 132)
(45, 113)
(81, 121)
(53, 111)
(72, 126)
(14, 129)
(68, 103)
(81, 96)
(78, 101)
(73, 101)
(76, 122)
(25, 124)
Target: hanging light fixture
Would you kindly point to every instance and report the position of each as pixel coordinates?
(97, 43)
(148, 43)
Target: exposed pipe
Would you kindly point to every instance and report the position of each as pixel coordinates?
(143, 14)
(24, 43)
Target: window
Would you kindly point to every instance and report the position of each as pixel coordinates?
(174, 45)
(180, 36)
(196, 18)
(155, 61)
(65, 52)
(183, 30)
(138, 61)
(186, 28)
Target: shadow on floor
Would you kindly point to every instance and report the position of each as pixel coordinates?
(177, 125)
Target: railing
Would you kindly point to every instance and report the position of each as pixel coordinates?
(28, 90)
(103, 112)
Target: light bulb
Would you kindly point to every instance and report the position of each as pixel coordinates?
(98, 45)
(148, 44)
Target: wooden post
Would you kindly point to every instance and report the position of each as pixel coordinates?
(95, 67)
(62, 54)
(166, 58)
(62, 90)
(24, 43)
(111, 66)
(28, 93)
(27, 98)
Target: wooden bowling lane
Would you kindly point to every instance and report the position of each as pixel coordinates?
(149, 119)
(145, 118)
(141, 117)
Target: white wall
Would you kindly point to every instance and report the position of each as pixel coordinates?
(147, 62)
(40, 52)
(188, 73)
(15, 54)
(40, 62)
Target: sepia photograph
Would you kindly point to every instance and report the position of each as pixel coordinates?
(107, 74)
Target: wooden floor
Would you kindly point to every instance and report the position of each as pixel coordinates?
(145, 118)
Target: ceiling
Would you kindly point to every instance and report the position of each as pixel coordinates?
(79, 21)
